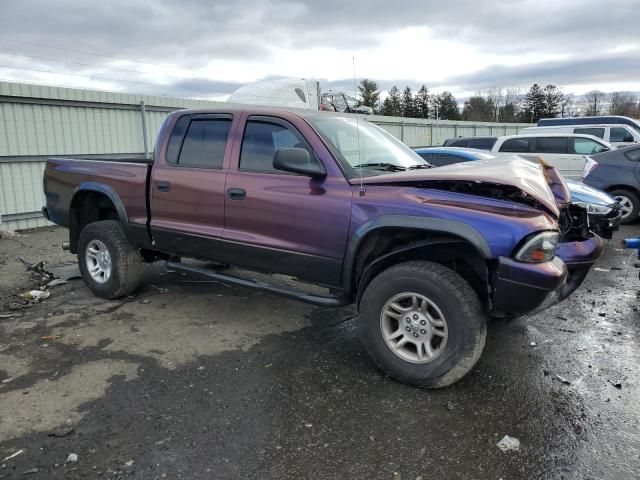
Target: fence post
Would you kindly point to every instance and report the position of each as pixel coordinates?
(145, 141)
(402, 130)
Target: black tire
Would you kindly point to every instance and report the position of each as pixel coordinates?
(464, 314)
(127, 265)
(633, 199)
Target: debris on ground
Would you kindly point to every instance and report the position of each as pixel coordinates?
(450, 405)
(37, 269)
(61, 432)
(10, 315)
(31, 470)
(598, 269)
(128, 463)
(13, 455)
(67, 272)
(508, 443)
(72, 458)
(616, 384)
(50, 338)
(533, 344)
(35, 295)
(561, 379)
(55, 282)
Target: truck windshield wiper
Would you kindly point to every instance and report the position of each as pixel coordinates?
(421, 166)
(389, 167)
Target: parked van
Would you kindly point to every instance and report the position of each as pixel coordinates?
(601, 120)
(618, 135)
(565, 152)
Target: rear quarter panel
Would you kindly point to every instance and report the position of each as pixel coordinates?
(63, 177)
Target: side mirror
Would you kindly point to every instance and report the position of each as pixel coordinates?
(298, 160)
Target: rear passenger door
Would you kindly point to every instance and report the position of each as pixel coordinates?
(187, 184)
(555, 151)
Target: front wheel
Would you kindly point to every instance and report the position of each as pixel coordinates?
(110, 266)
(422, 324)
(629, 203)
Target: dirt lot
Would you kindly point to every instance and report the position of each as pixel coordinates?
(200, 380)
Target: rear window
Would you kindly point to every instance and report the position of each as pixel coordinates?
(596, 132)
(482, 143)
(442, 159)
(552, 145)
(516, 145)
(458, 143)
(205, 143)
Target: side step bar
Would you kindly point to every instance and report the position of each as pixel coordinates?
(318, 300)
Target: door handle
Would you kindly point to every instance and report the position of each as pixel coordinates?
(236, 193)
(163, 186)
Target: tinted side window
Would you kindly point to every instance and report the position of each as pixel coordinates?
(620, 135)
(175, 141)
(516, 145)
(441, 159)
(596, 132)
(584, 146)
(552, 145)
(459, 143)
(425, 156)
(260, 142)
(633, 155)
(204, 143)
(482, 143)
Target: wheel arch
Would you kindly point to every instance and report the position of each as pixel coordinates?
(387, 240)
(92, 202)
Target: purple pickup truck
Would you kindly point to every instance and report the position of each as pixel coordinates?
(426, 255)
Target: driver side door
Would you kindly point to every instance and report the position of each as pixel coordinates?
(279, 221)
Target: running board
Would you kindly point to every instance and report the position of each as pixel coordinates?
(318, 300)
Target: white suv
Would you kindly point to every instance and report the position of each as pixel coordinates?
(565, 152)
(617, 135)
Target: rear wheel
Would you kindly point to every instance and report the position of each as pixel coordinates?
(629, 202)
(422, 324)
(110, 266)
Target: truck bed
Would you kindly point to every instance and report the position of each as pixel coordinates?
(125, 176)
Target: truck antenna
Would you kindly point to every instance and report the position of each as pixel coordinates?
(355, 95)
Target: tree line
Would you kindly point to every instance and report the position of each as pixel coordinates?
(498, 104)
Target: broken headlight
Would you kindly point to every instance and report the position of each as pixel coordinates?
(538, 248)
(593, 209)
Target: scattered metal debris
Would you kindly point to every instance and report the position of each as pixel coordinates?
(72, 458)
(598, 269)
(37, 268)
(13, 455)
(561, 379)
(508, 444)
(55, 282)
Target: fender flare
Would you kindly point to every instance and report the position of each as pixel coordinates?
(428, 224)
(103, 189)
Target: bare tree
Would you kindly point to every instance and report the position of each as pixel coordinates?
(567, 105)
(622, 103)
(593, 103)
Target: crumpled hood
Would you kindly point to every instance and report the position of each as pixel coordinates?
(525, 175)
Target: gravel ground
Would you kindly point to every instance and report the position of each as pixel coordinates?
(200, 380)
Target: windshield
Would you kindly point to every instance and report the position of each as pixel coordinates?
(379, 152)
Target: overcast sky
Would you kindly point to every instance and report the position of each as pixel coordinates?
(207, 48)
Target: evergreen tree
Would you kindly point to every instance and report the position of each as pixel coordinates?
(408, 103)
(369, 93)
(445, 106)
(392, 105)
(534, 104)
(422, 102)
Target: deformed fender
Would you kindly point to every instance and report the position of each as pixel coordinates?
(428, 224)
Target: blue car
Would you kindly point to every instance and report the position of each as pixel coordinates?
(604, 212)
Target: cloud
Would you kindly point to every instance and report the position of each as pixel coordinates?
(209, 47)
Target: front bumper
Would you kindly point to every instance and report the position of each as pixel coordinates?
(520, 288)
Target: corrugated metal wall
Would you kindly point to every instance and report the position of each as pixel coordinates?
(39, 121)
